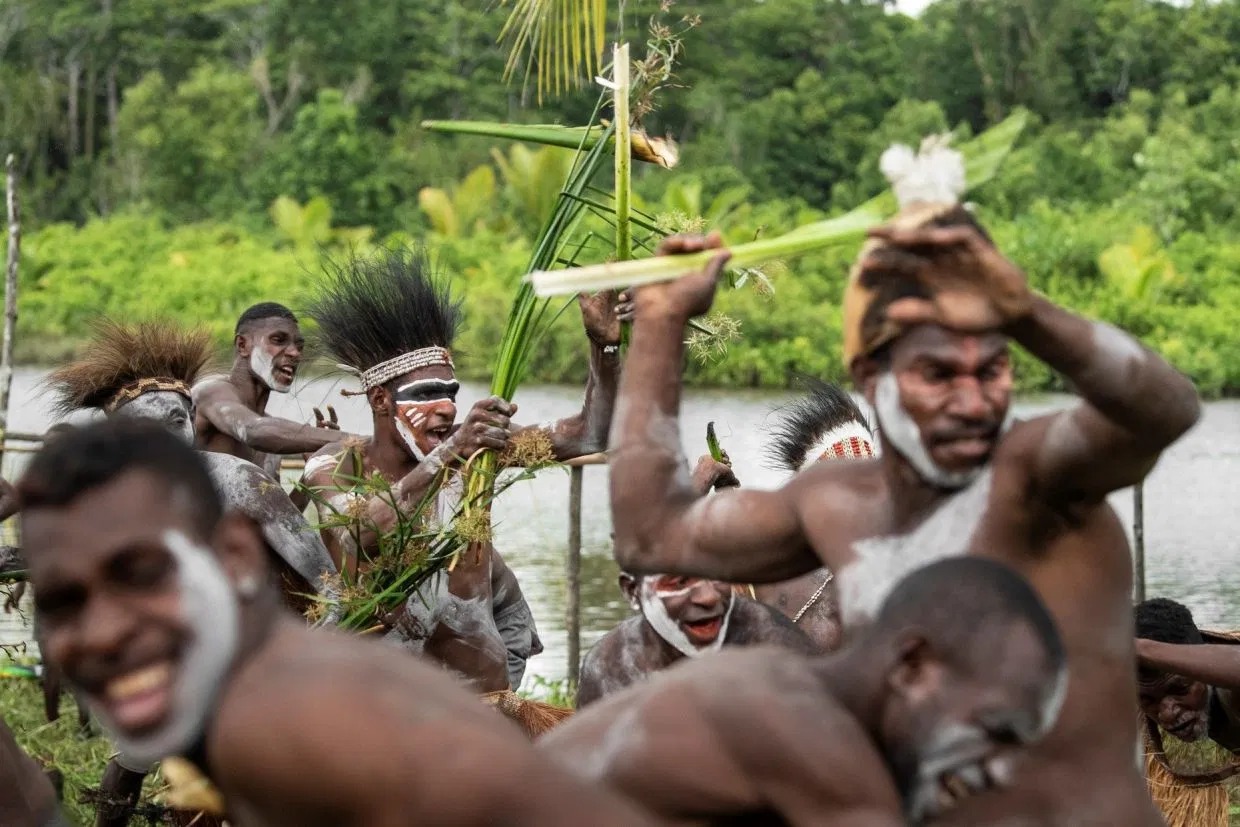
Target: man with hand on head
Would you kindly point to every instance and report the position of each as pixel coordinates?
(161, 612)
(231, 411)
(926, 707)
(678, 618)
(929, 312)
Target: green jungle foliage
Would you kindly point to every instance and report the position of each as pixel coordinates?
(188, 159)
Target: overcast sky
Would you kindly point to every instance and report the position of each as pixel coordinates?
(911, 6)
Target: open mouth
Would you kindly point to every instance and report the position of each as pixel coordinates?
(1186, 730)
(435, 436)
(284, 374)
(139, 700)
(955, 785)
(703, 632)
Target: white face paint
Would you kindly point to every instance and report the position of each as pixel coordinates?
(168, 408)
(211, 610)
(656, 615)
(899, 430)
(263, 367)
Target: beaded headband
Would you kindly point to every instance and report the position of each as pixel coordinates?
(385, 372)
(133, 390)
(848, 441)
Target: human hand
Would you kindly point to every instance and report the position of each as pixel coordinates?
(973, 287)
(691, 294)
(600, 314)
(711, 474)
(487, 425)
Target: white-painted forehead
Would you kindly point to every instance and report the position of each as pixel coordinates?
(428, 383)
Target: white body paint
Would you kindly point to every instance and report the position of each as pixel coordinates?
(262, 365)
(882, 562)
(901, 432)
(658, 618)
(210, 608)
(169, 408)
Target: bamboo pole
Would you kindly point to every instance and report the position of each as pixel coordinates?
(1138, 538)
(620, 98)
(572, 606)
(10, 293)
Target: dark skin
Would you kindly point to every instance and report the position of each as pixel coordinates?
(475, 651)
(285, 747)
(633, 651)
(27, 798)
(803, 599)
(759, 736)
(230, 411)
(1175, 683)
(1044, 511)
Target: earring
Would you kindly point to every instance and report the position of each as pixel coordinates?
(248, 587)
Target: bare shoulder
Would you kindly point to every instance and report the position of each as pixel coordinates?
(330, 466)
(213, 388)
(754, 622)
(837, 487)
(599, 673)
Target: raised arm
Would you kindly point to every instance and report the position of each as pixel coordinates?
(219, 402)
(585, 432)
(1133, 403)
(662, 524)
(1212, 663)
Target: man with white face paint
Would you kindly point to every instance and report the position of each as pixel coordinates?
(391, 323)
(144, 372)
(929, 705)
(928, 314)
(159, 609)
(678, 618)
(232, 414)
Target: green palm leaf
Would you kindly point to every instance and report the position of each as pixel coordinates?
(559, 42)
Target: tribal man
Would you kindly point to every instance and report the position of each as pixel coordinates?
(231, 410)
(1187, 686)
(392, 323)
(928, 315)
(961, 668)
(158, 607)
(825, 424)
(145, 371)
(678, 618)
(27, 798)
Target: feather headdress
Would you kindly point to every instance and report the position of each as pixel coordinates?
(825, 423)
(928, 185)
(385, 316)
(124, 361)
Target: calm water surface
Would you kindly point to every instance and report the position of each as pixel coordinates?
(1192, 526)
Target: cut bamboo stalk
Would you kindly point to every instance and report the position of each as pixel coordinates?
(10, 293)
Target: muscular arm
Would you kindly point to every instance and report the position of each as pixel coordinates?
(219, 403)
(661, 522)
(1215, 664)
(1134, 404)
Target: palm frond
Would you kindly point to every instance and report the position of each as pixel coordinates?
(558, 42)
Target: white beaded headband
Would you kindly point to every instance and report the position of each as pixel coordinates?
(385, 372)
(848, 441)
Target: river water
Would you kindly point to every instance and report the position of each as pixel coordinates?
(1192, 525)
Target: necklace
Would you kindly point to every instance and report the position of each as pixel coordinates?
(812, 599)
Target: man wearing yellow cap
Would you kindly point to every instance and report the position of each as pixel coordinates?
(930, 310)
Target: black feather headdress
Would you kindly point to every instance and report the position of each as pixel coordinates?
(804, 423)
(371, 310)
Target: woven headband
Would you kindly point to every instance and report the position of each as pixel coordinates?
(385, 372)
(848, 441)
(133, 390)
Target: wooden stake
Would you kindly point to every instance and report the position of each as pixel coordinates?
(10, 295)
(572, 605)
(1138, 539)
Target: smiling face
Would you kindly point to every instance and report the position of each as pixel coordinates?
(950, 732)
(690, 613)
(423, 405)
(941, 400)
(168, 408)
(1179, 705)
(135, 609)
(273, 347)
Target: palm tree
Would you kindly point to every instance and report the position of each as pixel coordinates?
(559, 42)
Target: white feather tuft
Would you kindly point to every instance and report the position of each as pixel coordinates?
(935, 175)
